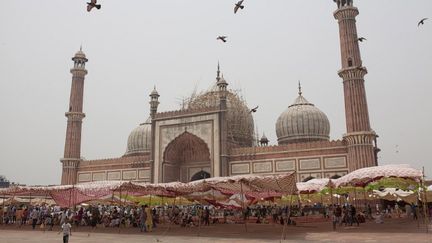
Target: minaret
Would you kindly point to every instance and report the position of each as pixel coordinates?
(154, 103)
(223, 129)
(72, 152)
(359, 136)
(264, 140)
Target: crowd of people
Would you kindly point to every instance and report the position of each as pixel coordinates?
(148, 217)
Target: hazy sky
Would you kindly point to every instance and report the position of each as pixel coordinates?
(133, 45)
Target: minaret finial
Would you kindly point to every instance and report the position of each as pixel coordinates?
(218, 72)
(299, 88)
(81, 47)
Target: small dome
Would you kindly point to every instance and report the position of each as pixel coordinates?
(139, 140)
(264, 139)
(154, 92)
(80, 54)
(302, 122)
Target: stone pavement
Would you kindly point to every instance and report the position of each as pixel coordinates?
(392, 231)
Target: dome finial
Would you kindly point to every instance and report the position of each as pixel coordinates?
(154, 93)
(218, 72)
(299, 88)
(81, 47)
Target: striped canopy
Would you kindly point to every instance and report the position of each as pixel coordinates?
(364, 176)
(250, 185)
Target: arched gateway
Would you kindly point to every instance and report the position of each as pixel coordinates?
(185, 157)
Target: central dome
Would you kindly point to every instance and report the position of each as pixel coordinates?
(239, 119)
(302, 122)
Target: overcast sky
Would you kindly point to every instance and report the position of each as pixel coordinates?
(134, 45)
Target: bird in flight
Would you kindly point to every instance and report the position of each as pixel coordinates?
(421, 22)
(253, 110)
(222, 38)
(361, 39)
(92, 4)
(238, 6)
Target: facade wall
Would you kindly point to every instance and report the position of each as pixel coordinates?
(203, 125)
(141, 175)
(319, 160)
(129, 168)
(317, 166)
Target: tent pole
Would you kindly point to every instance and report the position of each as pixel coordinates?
(127, 194)
(364, 199)
(355, 198)
(331, 194)
(424, 199)
(283, 235)
(121, 206)
(3, 208)
(120, 195)
(70, 196)
(242, 198)
(73, 196)
(171, 220)
(163, 210)
(13, 198)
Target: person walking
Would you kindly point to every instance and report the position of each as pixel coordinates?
(24, 217)
(206, 216)
(66, 229)
(337, 214)
(149, 218)
(353, 213)
(142, 219)
(369, 211)
(34, 216)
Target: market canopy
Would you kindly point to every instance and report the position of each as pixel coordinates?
(314, 185)
(364, 176)
(250, 185)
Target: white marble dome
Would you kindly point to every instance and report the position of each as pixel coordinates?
(139, 140)
(302, 122)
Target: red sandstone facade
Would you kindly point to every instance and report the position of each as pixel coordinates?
(202, 141)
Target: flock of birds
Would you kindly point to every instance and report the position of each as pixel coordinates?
(239, 5)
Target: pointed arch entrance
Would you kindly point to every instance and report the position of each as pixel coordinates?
(184, 157)
(200, 175)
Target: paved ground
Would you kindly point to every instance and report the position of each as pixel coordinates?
(391, 231)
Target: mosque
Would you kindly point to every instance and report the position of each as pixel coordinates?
(213, 134)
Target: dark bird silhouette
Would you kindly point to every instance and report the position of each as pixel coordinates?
(253, 110)
(361, 39)
(421, 22)
(222, 38)
(92, 4)
(238, 6)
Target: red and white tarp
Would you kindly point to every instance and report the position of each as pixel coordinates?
(364, 176)
(250, 185)
(314, 185)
